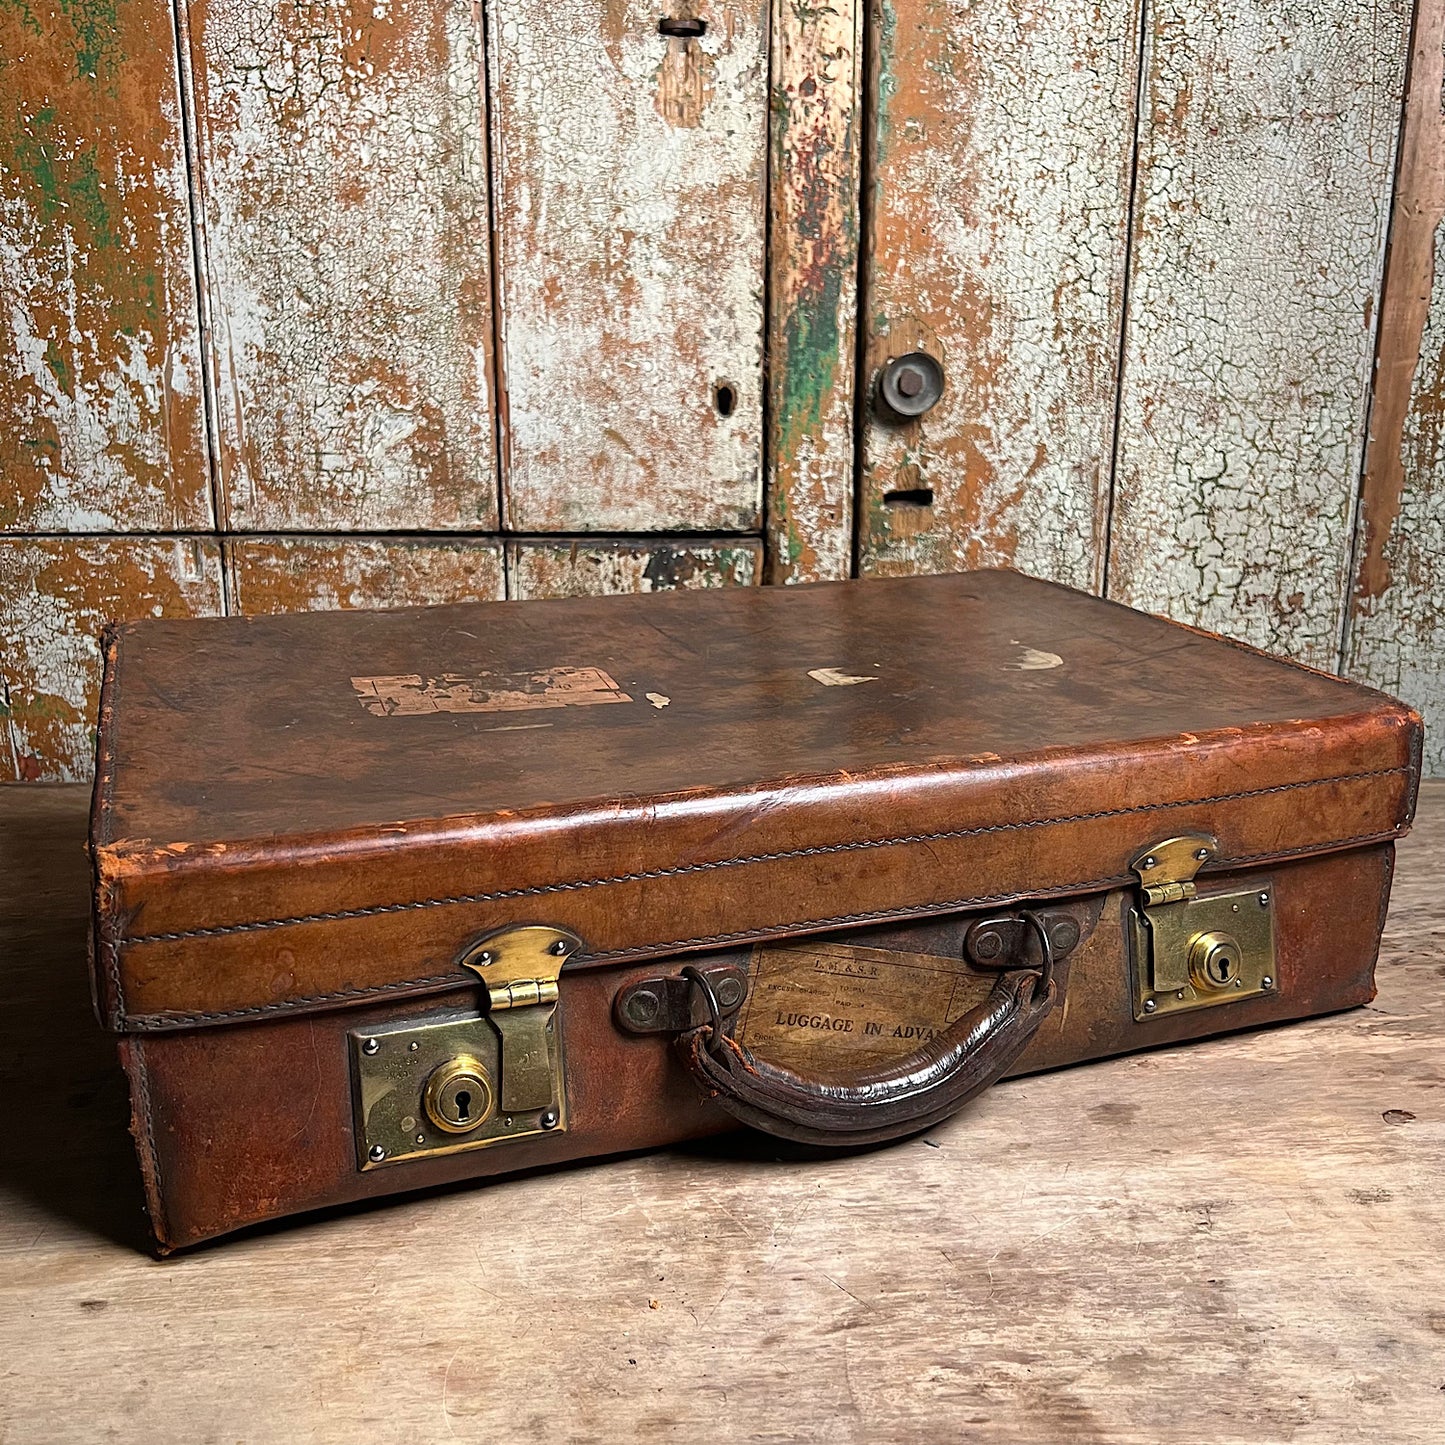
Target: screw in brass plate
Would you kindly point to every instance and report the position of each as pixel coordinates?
(549, 1119)
(376, 1153)
(370, 1046)
(1149, 1005)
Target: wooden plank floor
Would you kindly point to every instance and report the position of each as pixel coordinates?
(1239, 1241)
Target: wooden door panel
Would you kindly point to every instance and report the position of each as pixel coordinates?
(323, 574)
(998, 212)
(588, 567)
(1396, 636)
(817, 130)
(342, 166)
(56, 594)
(1266, 152)
(630, 178)
(101, 397)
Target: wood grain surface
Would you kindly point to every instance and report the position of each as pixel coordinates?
(1233, 1242)
(311, 574)
(56, 594)
(341, 171)
(815, 175)
(1266, 154)
(630, 211)
(101, 397)
(998, 212)
(1396, 638)
(590, 567)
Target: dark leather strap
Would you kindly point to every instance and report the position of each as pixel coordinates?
(879, 1104)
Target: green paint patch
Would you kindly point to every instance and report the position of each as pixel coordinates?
(810, 343)
(59, 368)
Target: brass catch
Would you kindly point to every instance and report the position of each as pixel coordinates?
(460, 1081)
(1190, 949)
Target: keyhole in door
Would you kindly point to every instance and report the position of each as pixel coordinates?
(724, 398)
(464, 1105)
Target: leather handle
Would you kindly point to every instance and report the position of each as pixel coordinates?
(885, 1103)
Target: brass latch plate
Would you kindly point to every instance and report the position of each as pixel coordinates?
(458, 1081)
(1191, 949)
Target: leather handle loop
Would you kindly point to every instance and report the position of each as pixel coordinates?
(910, 1094)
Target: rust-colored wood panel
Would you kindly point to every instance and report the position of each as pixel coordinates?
(1397, 627)
(342, 163)
(1266, 155)
(585, 567)
(101, 398)
(56, 594)
(630, 180)
(998, 216)
(813, 303)
(322, 574)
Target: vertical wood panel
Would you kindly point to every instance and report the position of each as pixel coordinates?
(588, 568)
(56, 594)
(630, 200)
(343, 168)
(324, 574)
(101, 399)
(812, 326)
(1266, 156)
(999, 182)
(1397, 632)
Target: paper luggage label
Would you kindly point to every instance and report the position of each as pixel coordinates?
(834, 1008)
(409, 694)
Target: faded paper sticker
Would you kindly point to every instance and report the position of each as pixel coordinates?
(409, 694)
(833, 1008)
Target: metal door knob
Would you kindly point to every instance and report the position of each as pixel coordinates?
(910, 385)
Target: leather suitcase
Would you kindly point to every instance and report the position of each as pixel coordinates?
(386, 900)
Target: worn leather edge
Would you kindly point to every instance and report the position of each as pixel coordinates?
(168, 1021)
(780, 855)
(142, 1128)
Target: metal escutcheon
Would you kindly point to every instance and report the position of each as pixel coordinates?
(909, 386)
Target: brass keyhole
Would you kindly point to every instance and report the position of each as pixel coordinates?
(1214, 960)
(458, 1095)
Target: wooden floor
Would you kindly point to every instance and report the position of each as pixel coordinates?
(1239, 1241)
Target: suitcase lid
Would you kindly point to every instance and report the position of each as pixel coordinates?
(310, 811)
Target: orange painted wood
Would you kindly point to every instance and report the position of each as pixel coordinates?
(101, 398)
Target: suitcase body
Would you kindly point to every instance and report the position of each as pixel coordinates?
(387, 900)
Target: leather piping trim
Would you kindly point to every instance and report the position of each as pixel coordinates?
(819, 850)
(160, 1022)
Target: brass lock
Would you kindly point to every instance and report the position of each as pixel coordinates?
(468, 1080)
(1190, 949)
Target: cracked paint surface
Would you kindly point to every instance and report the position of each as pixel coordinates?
(1266, 154)
(588, 567)
(101, 409)
(630, 220)
(1397, 629)
(326, 574)
(50, 669)
(342, 166)
(812, 334)
(999, 197)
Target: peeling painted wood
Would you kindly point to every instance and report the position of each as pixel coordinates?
(342, 165)
(101, 401)
(630, 211)
(323, 574)
(1397, 628)
(998, 184)
(813, 264)
(56, 594)
(1265, 163)
(592, 567)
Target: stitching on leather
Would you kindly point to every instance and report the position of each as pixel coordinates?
(682, 870)
(160, 1021)
(153, 1183)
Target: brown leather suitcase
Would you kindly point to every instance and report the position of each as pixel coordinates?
(391, 899)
